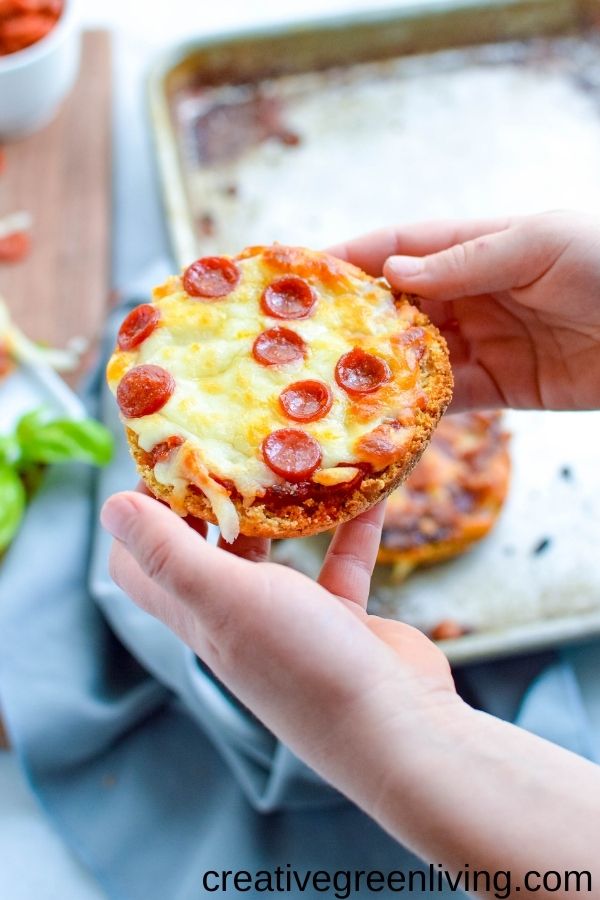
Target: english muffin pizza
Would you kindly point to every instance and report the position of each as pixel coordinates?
(278, 392)
(454, 495)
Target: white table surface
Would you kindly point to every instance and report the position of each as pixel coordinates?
(33, 862)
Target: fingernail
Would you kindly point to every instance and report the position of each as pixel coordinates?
(404, 266)
(115, 516)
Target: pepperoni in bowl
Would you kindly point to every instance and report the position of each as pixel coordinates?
(291, 453)
(39, 59)
(306, 401)
(144, 390)
(25, 22)
(278, 346)
(289, 297)
(211, 277)
(137, 326)
(359, 372)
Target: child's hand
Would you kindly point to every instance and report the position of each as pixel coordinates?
(322, 674)
(370, 703)
(518, 301)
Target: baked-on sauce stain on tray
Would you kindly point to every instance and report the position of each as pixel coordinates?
(454, 495)
(220, 132)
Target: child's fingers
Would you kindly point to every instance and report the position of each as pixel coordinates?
(496, 262)
(155, 600)
(182, 565)
(351, 556)
(370, 251)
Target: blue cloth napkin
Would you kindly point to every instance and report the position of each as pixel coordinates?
(149, 769)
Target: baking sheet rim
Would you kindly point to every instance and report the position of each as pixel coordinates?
(533, 637)
(170, 176)
(473, 648)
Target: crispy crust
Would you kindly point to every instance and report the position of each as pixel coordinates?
(469, 528)
(311, 516)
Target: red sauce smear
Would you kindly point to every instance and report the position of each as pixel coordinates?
(280, 495)
(161, 452)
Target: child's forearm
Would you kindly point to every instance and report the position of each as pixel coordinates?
(465, 789)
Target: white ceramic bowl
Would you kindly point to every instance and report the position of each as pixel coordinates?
(34, 81)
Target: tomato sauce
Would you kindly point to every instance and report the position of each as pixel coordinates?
(25, 22)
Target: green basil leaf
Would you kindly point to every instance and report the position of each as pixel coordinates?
(9, 449)
(63, 440)
(31, 422)
(12, 504)
(11, 452)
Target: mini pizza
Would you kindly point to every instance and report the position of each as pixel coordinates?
(454, 495)
(279, 392)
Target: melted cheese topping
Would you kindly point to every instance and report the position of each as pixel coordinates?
(225, 403)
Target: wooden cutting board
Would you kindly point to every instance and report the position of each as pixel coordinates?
(61, 176)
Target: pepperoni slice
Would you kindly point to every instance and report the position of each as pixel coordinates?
(359, 372)
(144, 390)
(291, 453)
(137, 326)
(288, 297)
(211, 276)
(14, 247)
(278, 346)
(306, 401)
(161, 451)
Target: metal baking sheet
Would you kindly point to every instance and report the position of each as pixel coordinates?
(535, 580)
(384, 132)
(309, 134)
